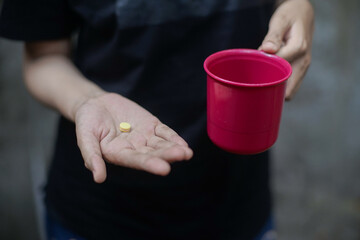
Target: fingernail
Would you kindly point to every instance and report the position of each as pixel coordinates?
(270, 45)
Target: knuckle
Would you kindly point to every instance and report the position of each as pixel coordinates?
(303, 46)
(298, 48)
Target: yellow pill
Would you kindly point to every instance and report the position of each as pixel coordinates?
(125, 127)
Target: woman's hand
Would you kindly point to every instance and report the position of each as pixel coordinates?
(290, 36)
(150, 145)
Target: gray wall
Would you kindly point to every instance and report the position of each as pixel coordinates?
(26, 135)
(315, 172)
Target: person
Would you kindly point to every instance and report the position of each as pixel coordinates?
(140, 62)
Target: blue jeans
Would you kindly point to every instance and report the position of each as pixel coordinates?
(55, 231)
(268, 231)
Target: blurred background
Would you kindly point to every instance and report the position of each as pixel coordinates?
(316, 164)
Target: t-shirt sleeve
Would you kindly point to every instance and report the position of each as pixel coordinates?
(36, 20)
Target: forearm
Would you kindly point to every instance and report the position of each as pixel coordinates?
(52, 79)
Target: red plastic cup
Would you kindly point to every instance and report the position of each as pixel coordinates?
(245, 96)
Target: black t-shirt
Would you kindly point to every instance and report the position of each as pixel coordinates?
(152, 52)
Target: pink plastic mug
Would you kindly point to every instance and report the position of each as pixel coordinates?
(245, 96)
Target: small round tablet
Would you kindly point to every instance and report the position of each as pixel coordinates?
(125, 127)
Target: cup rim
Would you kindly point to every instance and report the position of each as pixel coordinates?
(253, 54)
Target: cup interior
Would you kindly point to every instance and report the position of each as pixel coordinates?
(246, 67)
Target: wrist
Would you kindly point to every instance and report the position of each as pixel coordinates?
(92, 92)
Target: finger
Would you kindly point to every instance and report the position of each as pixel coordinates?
(134, 159)
(163, 131)
(91, 153)
(171, 154)
(159, 143)
(300, 67)
(296, 44)
(278, 27)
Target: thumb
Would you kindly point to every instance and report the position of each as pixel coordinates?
(278, 27)
(90, 150)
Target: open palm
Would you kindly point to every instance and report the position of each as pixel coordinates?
(150, 145)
